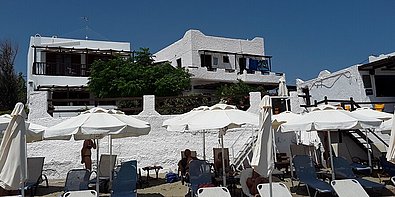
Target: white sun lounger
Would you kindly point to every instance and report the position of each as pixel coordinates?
(279, 190)
(83, 193)
(393, 180)
(213, 191)
(348, 187)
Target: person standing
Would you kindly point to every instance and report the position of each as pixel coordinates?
(86, 153)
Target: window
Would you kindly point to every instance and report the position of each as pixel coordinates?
(179, 64)
(205, 60)
(225, 59)
(383, 85)
(215, 61)
(367, 83)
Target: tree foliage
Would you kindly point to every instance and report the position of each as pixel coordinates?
(238, 93)
(12, 86)
(123, 77)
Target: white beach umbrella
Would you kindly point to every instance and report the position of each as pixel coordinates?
(282, 87)
(329, 118)
(13, 158)
(217, 117)
(263, 159)
(95, 124)
(283, 117)
(386, 127)
(365, 111)
(34, 132)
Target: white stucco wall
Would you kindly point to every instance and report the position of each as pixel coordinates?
(159, 147)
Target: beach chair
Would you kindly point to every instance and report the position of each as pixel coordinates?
(77, 179)
(34, 174)
(84, 193)
(104, 171)
(125, 180)
(388, 167)
(199, 174)
(213, 191)
(305, 172)
(342, 150)
(348, 187)
(278, 189)
(393, 180)
(344, 171)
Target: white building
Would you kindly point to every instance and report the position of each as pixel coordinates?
(60, 66)
(215, 60)
(368, 84)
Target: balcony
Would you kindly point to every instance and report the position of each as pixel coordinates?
(60, 69)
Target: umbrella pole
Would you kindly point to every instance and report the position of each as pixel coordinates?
(97, 163)
(271, 184)
(368, 147)
(204, 145)
(330, 155)
(110, 166)
(223, 159)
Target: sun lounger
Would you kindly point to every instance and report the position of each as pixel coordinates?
(34, 174)
(213, 191)
(279, 190)
(125, 180)
(343, 170)
(388, 167)
(305, 172)
(199, 173)
(77, 179)
(84, 193)
(104, 171)
(393, 180)
(348, 187)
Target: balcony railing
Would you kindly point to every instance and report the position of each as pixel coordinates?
(60, 69)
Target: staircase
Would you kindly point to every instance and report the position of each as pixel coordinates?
(244, 156)
(378, 142)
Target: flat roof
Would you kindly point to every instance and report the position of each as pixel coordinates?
(385, 64)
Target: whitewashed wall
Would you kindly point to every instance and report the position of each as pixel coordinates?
(159, 147)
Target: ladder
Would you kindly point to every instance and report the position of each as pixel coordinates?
(244, 156)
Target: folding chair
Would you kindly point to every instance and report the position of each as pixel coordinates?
(213, 191)
(278, 189)
(199, 173)
(77, 179)
(348, 187)
(305, 172)
(344, 171)
(34, 174)
(84, 193)
(125, 180)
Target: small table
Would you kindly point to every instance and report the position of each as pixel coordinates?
(149, 168)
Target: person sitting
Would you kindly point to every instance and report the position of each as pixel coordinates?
(254, 181)
(183, 165)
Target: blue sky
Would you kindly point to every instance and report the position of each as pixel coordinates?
(304, 37)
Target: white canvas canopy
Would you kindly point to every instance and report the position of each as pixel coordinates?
(34, 132)
(95, 124)
(263, 159)
(217, 117)
(329, 118)
(13, 157)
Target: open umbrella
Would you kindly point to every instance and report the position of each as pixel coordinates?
(365, 111)
(34, 132)
(263, 158)
(391, 149)
(329, 118)
(13, 158)
(217, 117)
(95, 124)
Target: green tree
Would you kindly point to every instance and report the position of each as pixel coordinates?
(8, 78)
(121, 77)
(238, 93)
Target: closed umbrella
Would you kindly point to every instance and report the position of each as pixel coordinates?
(282, 88)
(95, 124)
(217, 117)
(391, 149)
(263, 160)
(13, 159)
(329, 118)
